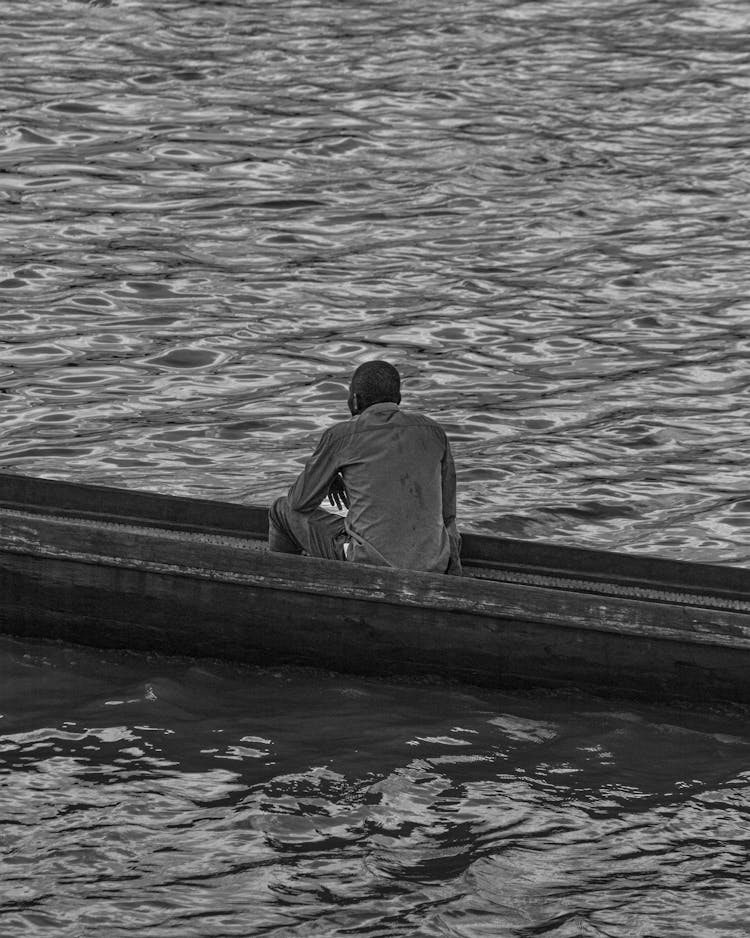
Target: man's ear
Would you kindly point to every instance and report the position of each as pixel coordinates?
(398, 398)
(354, 404)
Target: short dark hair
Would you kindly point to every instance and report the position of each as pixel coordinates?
(377, 382)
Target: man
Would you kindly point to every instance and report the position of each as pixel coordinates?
(393, 470)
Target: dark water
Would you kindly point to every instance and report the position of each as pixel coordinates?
(172, 798)
(211, 212)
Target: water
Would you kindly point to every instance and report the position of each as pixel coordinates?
(213, 800)
(212, 212)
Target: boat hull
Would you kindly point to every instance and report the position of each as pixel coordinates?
(94, 582)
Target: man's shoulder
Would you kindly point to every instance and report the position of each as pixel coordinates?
(417, 418)
(366, 421)
(339, 433)
(341, 428)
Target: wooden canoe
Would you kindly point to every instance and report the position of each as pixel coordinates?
(109, 567)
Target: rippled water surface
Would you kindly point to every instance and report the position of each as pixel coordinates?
(171, 798)
(212, 211)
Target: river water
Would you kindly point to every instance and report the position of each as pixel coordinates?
(212, 211)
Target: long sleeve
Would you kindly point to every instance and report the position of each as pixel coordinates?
(313, 482)
(448, 472)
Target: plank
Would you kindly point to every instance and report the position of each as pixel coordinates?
(500, 553)
(105, 567)
(243, 563)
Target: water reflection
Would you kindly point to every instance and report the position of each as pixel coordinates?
(172, 793)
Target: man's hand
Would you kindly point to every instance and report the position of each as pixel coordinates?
(454, 564)
(337, 493)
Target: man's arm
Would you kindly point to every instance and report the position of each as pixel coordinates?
(318, 477)
(448, 472)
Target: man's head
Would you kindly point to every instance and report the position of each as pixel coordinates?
(374, 383)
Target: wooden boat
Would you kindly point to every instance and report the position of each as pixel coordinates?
(114, 568)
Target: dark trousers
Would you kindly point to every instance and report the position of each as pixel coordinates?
(317, 533)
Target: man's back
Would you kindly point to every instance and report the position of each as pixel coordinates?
(398, 472)
(392, 469)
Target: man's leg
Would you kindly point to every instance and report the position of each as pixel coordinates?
(317, 533)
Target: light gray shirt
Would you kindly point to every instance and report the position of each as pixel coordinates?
(399, 472)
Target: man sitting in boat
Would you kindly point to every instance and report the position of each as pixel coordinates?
(392, 469)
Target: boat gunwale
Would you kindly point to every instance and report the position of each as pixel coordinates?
(146, 550)
(210, 517)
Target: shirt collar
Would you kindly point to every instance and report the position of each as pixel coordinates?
(385, 407)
